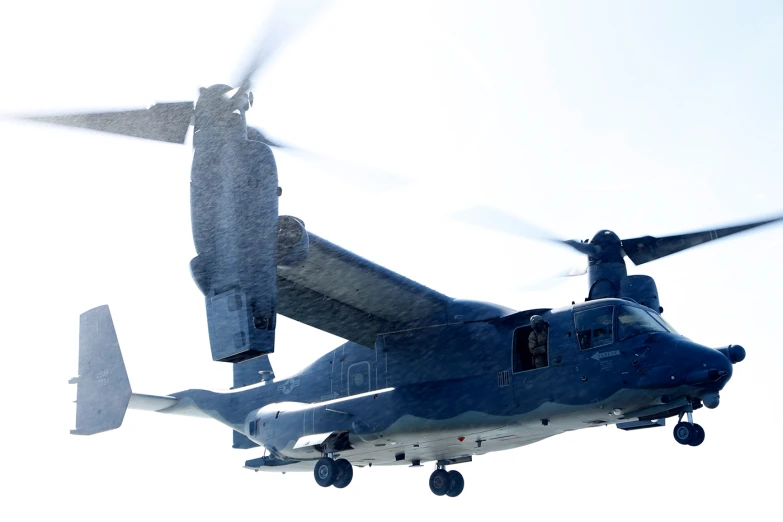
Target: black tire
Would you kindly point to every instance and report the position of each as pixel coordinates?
(457, 483)
(440, 482)
(684, 432)
(344, 473)
(325, 472)
(698, 436)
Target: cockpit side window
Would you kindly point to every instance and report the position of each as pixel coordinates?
(594, 327)
(634, 321)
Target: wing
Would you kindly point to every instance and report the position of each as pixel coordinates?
(346, 295)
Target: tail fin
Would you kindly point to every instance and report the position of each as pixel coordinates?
(103, 389)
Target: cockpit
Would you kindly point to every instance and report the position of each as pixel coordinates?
(595, 326)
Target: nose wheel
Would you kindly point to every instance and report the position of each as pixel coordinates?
(449, 483)
(688, 433)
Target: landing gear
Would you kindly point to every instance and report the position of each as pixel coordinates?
(440, 482)
(444, 482)
(684, 433)
(699, 437)
(457, 483)
(344, 473)
(688, 433)
(325, 472)
(330, 472)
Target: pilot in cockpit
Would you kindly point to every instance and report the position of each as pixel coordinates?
(537, 341)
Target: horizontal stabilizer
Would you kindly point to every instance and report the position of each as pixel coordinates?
(141, 401)
(103, 390)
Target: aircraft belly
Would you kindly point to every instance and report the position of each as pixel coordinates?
(373, 438)
(402, 444)
(425, 440)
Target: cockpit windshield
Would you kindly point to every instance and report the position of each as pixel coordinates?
(664, 322)
(633, 321)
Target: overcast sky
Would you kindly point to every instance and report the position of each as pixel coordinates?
(642, 117)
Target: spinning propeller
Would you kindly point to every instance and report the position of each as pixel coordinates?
(606, 246)
(170, 122)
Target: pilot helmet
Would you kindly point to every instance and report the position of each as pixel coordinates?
(536, 322)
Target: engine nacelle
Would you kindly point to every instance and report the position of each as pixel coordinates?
(235, 231)
(642, 289)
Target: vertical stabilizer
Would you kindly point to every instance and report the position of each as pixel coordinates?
(252, 372)
(103, 390)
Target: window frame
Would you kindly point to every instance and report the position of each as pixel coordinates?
(663, 322)
(514, 371)
(613, 326)
(642, 310)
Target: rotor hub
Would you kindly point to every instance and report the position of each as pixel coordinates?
(222, 107)
(610, 248)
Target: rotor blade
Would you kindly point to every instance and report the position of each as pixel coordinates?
(161, 122)
(256, 134)
(575, 271)
(553, 280)
(286, 19)
(647, 248)
(583, 248)
(366, 177)
(355, 174)
(499, 221)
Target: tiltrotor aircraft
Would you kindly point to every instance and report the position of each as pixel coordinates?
(423, 377)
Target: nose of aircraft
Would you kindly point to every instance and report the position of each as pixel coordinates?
(708, 367)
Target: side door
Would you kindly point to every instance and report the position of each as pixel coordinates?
(532, 386)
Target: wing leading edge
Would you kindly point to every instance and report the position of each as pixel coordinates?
(344, 294)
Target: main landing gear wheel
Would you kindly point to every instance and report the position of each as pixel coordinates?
(325, 472)
(457, 483)
(344, 473)
(440, 482)
(698, 436)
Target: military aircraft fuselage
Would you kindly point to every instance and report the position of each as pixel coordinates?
(423, 377)
(468, 388)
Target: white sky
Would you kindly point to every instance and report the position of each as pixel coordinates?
(643, 117)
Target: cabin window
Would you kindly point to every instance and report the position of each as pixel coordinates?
(594, 327)
(634, 321)
(522, 359)
(251, 429)
(359, 378)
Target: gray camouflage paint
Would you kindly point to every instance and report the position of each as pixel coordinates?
(424, 377)
(423, 390)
